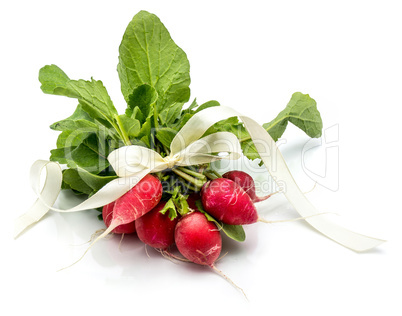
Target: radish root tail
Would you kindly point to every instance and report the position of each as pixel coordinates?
(263, 198)
(146, 251)
(229, 280)
(120, 242)
(91, 239)
(104, 234)
(167, 254)
(221, 257)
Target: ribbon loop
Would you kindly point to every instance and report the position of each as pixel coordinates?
(47, 195)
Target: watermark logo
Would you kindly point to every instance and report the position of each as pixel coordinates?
(320, 159)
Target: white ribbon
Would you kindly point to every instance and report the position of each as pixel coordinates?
(132, 163)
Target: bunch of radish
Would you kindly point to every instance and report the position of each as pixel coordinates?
(229, 200)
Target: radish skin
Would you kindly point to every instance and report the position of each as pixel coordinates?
(107, 212)
(198, 239)
(225, 200)
(156, 229)
(139, 200)
(246, 182)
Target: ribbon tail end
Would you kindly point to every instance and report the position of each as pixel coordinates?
(18, 230)
(22, 223)
(373, 244)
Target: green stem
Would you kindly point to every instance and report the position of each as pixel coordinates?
(155, 118)
(212, 174)
(188, 185)
(216, 173)
(244, 139)
(196, 182)
(167, 150)
(192, 173)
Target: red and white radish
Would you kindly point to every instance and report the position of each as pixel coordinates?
(139, 200)
(156, 229)
(107, 212)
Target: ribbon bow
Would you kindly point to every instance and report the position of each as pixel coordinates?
(132, 163)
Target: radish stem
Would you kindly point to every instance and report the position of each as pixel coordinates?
(193, 173)
(196, 182)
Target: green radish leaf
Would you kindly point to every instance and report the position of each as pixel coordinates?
(148, 55)
(231, 124)
(131, 125)
(81, 156)
(143, 98)
(71, 138)
(71, 125)
(170, 114)
(165, 135)
(54, 81)
(65, 186)
(176, 204)
(136, 114)
(145, 135)
(249, 150)
(88, 158)
(78, 127)
(191, 106)
(207, 105)
(95, 181)
(90, 154)
(92, 95)
(181, 122)
(73, 180)
(301, 111)
(235, 232)
(171, 207)
(182, 205)
(61, 155)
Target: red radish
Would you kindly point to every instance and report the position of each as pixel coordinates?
(107, 218)
(246, 182)
(198, 239)
(156, 229)
(225, 200)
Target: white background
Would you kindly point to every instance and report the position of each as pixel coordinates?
(251, 56)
